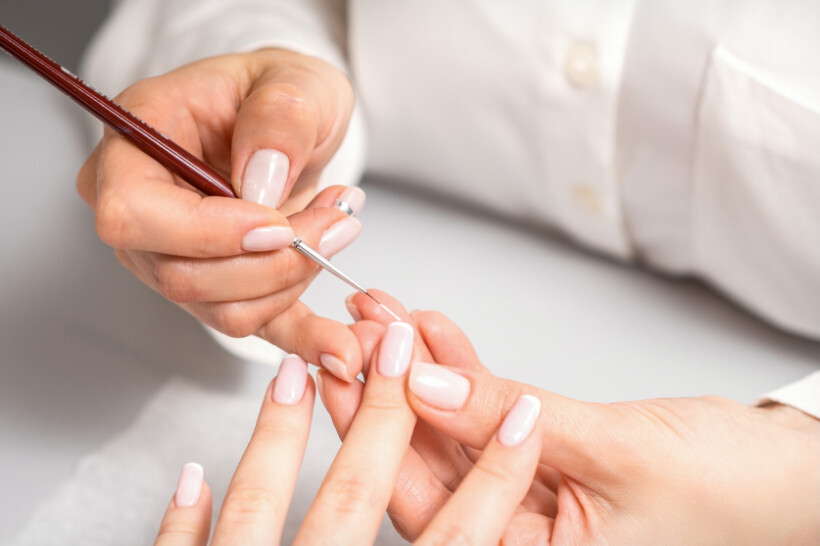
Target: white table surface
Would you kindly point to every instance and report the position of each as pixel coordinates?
(83, 344)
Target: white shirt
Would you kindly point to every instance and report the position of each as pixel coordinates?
(685, 136)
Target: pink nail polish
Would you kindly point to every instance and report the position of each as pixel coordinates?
(396, 349)
(320, 386)
(438, 386)
(352, 309)
(351, 200)
(519, 421)
(334, 365)
(266, 176)
(267, 238)
(339, 235)
(189, 486)
(289, 386)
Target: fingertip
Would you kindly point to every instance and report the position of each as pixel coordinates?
(378, 305)
(189, 486)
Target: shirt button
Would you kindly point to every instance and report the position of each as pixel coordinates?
(587, 199)
(581, 66)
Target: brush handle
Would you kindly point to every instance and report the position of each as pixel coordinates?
(168, 153)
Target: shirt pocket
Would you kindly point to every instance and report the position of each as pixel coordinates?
(756, 194)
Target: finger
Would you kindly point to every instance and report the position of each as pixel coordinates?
(139, 206)
(318, 340)
(86, 182)
(187, 521)
(467, 406)
(527, 528)
(359, 484)
(387, 310)
(418, 492)
(487, 498)
(183, 279)
(258, 497)
(447, 343)
(368, 309)
(288, 127)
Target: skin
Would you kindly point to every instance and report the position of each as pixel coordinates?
(188, 247)
(669, 471)
(358, 485)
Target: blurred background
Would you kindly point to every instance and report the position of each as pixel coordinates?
(60, 29)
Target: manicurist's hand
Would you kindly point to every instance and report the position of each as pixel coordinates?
(668, 471)
(269, 121)
(357, 488)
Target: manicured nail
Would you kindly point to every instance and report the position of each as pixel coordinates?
(189, 486)
(352, 309)
(351, 201)
(519, 422)
(267, 238)
(339, 235)
(334, 365)
(320, 386)
(289, 386)
(396, 349)
(438, 386)
(265, 177)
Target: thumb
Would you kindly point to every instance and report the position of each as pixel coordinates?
(469, 406)
(288, 127)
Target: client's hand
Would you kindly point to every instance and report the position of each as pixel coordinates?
(269, 121)
(672, 471)
(354, 495)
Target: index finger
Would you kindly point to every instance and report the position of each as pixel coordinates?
(258, 497)
(140, 206)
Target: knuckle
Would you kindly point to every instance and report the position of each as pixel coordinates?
(291, 101)
(112, 220)
(182, 530)
(353, 493)
(247, 501)
(492, 470)
(451, 535)
(233, 319)
(175, 280)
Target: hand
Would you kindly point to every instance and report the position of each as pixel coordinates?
(673, 471)
(351, 501)
(270, 121)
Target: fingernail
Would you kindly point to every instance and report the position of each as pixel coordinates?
(267, 238)
(289, 386)
(351, 201)
(320, 386)
(189, 485)
(265, 177)
(339, 235)
(438, 386)
(396, 349)
(352, 309)
(519, 421)
(334, 365)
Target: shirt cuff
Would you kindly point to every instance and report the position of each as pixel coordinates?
(803, 395)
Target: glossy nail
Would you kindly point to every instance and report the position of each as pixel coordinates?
(289, 386)
(352, 309)
(351, 201)
(396, 349)
(320, 386)
(189, 486)
(438, 386)
(267, 238)
(519, 421)
(339, 235)
(266, 176)
(334, 365)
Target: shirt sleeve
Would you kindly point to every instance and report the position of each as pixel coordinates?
(803, 395)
